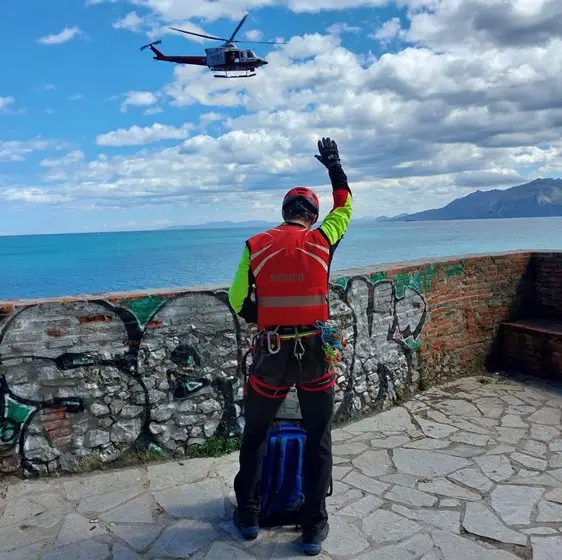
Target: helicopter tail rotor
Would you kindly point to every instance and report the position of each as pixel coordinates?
(151, 44)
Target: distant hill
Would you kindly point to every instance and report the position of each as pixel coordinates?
(227, 225)
(537, 199)
(258, 224)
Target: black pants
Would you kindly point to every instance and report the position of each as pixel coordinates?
(317, 409)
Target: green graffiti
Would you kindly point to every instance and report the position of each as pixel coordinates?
(420, 280)
(378, 277)
(412, 343)
(342, 281)
(143, 308)
(18, 412)
(455, 270)
(8, 433)
(15, 414)
(193, 385)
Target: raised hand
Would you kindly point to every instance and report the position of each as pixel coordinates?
(329, 154)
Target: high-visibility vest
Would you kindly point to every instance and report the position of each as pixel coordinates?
(290, 265)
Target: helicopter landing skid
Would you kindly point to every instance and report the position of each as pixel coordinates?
(225, 75)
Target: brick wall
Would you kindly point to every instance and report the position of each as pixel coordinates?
(534, 347)
(86, 381)
(548, 282)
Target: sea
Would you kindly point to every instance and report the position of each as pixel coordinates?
(37, 266)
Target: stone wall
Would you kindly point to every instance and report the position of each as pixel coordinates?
(86, 381)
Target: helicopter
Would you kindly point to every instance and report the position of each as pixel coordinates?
(226, 58)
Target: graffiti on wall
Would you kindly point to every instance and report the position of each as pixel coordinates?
(83, 382)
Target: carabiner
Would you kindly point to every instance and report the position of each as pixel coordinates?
(298, 343)
(273, 347)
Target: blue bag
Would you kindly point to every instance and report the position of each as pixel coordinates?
(281, 487)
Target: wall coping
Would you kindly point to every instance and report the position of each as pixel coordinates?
(367, 270)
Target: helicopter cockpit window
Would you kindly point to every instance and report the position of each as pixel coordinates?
(249, 54)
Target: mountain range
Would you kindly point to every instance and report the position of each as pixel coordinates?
(537, 199)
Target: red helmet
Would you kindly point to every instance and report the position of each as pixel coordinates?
(304, 194)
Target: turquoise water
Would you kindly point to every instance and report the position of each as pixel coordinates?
(55, 265)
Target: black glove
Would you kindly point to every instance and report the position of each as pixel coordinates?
(329, 155)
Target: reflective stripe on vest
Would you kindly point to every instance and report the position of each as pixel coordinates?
(290, 266)
(292, 301)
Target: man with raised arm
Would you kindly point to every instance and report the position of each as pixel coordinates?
(282, 284)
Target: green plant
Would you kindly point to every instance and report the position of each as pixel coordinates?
(215, 446)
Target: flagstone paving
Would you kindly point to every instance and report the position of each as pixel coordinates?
(466, 471)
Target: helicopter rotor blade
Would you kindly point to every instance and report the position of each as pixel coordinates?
(264, 42)
(237, 28)
(199, 34)
(150, 44)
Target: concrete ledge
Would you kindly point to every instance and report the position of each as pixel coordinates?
(537, 325)
(534, 345)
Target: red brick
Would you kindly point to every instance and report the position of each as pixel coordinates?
(95, 319)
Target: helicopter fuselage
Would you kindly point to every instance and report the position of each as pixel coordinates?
(227, 59)
(232, 58)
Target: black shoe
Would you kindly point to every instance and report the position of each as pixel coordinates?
(312, 540)
(247, 525)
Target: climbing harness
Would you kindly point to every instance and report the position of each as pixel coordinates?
(333, 343)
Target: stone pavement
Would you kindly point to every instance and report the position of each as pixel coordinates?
(470, 470)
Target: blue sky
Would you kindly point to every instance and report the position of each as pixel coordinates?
(425, 101)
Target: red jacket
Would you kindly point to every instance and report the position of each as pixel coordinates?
(290, 265)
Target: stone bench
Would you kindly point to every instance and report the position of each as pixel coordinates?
(534, 346)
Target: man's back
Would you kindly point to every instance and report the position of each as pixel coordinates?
(289, 265)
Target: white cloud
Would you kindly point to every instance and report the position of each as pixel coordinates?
(132, 21)
(388, 31)
(210, 117)
(137, 135)
(72, 157)
(33, 195)
(153, 110)
(254, 35)
(6, 103)
(138, 99)
(17, 150)
(46, 87)
(514, 23)
(168, 11)
(339, 28)
(67, 34)
(75, 97)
